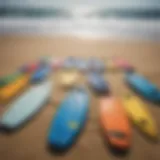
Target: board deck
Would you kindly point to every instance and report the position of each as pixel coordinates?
(40, 74)
(115, 123)
(10, 78)
(139, 114)
(30, 68)
(56, 63)
(69, 63)
(143, 86)
(123, 65)
(98, 83)
(96, 65)
(68, 77)
(24, 107)
(69, 119)
(82, 65)
(9, 91)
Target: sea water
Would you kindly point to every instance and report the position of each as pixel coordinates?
(127, 19)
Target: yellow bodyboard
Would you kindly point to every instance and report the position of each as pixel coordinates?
(12, 89)
(140, 116)
(68, 78)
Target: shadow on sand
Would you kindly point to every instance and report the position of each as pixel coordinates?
(154, 140)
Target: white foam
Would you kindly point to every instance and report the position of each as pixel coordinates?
(108, 28)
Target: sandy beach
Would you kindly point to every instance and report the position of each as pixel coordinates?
(29, 143)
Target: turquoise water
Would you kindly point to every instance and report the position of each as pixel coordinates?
(87, 18)
(67, 13)
(81, 8)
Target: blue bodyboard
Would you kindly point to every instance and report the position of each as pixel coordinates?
(40, 74)
(143, 86)
(96, 65)
(98, 83)
(69, 119)
(69, 63)
(81, 64)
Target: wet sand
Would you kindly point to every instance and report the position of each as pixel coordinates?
(29, 143)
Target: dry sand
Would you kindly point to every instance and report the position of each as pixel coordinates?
(29, 143)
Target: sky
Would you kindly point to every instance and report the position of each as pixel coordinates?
(91, 3)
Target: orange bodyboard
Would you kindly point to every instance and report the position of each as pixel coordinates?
(115, 123)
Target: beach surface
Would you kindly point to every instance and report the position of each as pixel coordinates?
(30, 142)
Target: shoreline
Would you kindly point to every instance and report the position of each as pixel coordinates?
(111, 28)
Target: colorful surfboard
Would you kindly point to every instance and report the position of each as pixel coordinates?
(26, 106)
(69, 63)
(115, 123)
(98, 83)
(68, 77)
(69, 119)
(40, 74)
(82, 65)
(96, 65)
(9, 91)
(138, 113)
(56, 63)
(143, 86)
(29, 68)
(123, 65)
(10, 78)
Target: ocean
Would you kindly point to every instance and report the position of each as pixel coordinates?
(94, 22)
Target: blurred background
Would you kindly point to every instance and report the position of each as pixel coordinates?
(31, 29)
(86, 18)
